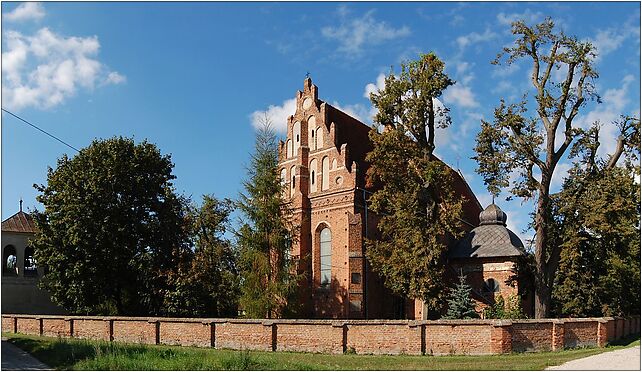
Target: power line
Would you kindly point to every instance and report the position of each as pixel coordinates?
(42, 130)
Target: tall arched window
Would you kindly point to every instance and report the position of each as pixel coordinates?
(325, 173)
(326, 257)
(312, 122)
(296, 135)
(313, 175)
(288, 145)
(292, 180)
(9, 261)
(319, 138)
(30, 263)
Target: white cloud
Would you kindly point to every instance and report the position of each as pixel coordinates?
(358, 111)
(527, 16)
(25, 12)
(460, 95)
(474, 38)
(115, 78)
(355, 34)
(277, 115)
(45, 69)
(505, 70)
(614, 102)
(380, 84)
(560, 172)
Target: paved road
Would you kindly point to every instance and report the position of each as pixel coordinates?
(14, 359)
(625, 359)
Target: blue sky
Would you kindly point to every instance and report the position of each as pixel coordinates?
(191, 77)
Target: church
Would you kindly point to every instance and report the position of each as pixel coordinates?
(322, 165)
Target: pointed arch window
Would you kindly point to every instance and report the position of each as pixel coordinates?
(326, 256)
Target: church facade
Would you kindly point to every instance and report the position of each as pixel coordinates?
(322, 165)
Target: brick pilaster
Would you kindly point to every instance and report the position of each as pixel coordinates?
(501, 338)
(557, 342)
(602, 332)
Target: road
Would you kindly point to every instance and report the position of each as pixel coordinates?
(622, 360)
(14, 359)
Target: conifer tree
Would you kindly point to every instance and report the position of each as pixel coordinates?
(269, 281)
(460, 304)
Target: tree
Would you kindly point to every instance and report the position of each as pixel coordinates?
(509, 309)
(111, 230)
(516, 141)
(269, 281)
(460, 304)
(597, 222)
(207, 285)
(414, 196)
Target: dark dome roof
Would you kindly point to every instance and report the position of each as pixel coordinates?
(490, 239)
(492, 215)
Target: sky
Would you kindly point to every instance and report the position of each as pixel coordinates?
(194, 78)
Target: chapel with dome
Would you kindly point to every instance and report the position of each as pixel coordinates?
(322, 164)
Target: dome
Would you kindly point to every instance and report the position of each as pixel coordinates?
(492, 215)
(490, 239)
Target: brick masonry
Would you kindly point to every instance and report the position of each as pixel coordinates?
(435, 337)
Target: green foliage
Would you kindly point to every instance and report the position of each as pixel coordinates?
(510, 309)
(598, 216)
(460, 304)
(207, 285)
(269, 281)
(112, 229)
(414, 196)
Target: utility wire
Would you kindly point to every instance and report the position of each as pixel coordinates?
(42, 130)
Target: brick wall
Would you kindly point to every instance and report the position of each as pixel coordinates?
(435, 337)
(532, 336)
(384, 337)
(185, 332)
(55, 327)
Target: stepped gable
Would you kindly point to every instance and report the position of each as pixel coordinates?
(20, 222)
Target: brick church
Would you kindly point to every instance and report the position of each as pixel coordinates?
(322, 163)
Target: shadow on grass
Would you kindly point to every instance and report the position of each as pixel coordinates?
(630, 340)
(63, 353)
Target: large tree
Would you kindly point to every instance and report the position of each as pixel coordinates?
(269, 282)
(414, 196)
(597, 222)
(111, 230)
(530, 137)
(207, 284)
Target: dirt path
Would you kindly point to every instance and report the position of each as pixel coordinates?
(625, 359)
(14, 359)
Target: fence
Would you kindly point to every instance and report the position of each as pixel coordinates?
(436, 337)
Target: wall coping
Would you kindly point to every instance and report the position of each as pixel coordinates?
(331, 322)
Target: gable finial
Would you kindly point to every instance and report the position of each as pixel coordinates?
(20, 204)
(307, 74)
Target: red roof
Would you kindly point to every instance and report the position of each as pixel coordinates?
(20, 222)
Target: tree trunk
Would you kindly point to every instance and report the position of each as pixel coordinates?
(542, 289)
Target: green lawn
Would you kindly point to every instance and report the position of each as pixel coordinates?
(100, 355)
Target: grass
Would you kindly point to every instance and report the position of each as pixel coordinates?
(64, 354)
